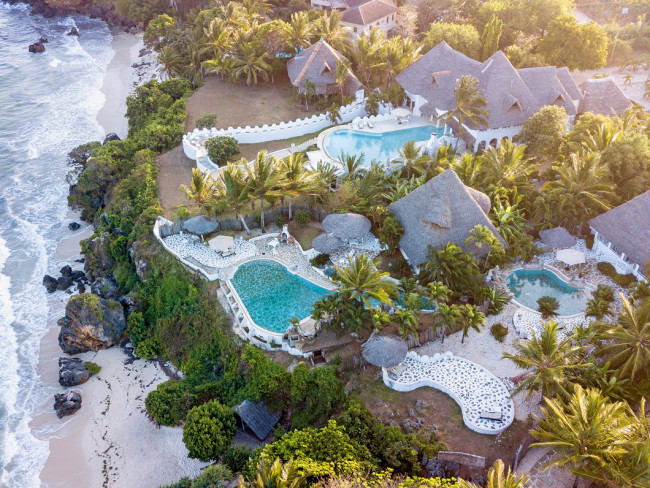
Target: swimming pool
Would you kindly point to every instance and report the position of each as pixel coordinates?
(273, 296)
(527, 285)
(380, 146)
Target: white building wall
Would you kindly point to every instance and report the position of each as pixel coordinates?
(606, 253)
(385, 24)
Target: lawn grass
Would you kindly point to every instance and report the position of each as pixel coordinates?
(305, 234)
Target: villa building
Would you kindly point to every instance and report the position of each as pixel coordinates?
(362, 15)
(440, 211)
(622, 236)
(317, 64)
(513, 95)
(603, 96)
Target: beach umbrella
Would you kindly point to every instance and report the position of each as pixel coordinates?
(570, 256)
(347, 225)
(400, 112)
(221, 243)
(326, 243)
(200, 225)
(385, 351)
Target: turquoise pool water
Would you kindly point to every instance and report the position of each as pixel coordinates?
(273, 296)
(528, 285)
(380, 147)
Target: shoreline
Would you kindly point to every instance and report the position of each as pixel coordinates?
(110, 441)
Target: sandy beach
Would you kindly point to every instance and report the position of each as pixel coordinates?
(110, 442)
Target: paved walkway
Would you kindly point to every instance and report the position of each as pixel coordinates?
(532, 464)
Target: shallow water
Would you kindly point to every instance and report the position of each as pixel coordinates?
(48, 105)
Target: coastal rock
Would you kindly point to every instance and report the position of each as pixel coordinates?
(66, 270)
(37, 47)
(63, 283)
(105, 288)
(73, 32)
(67, 403)
(72, 371)
(50, 283)
(74, 226)
(81, 288)
(91, 323)
(101, 262)
(43, 40)
(111, 136)
(78, 275)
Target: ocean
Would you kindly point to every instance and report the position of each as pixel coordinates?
(48, 105)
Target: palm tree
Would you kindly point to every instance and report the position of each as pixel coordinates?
(507, 166)
(329, 28)
(470, 318)
(413, 159)
(397, 54)
(263, 180)
(296, 180)
(232, 188)
(193, 70)
(364, 282)
(469, 168)
(588, 433)
(341, 75)
(351, 164)
(627, 344)
(480, 236)
(308, 92)
(251, 65)
(470, 105)
(509, 220)
(201, 188)
(437, 293)
(217, 37)
(547, 359)
(275, 475)
(498, 478)
(449, 316)
(300, 30)
(169, 61)
(367, 54)
(407, 322)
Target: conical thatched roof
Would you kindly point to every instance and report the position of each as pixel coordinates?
(558, 237)
(604, 97)
(347, 225)
(385, 351)
(200, 225)
(440, 211)
(326, 243)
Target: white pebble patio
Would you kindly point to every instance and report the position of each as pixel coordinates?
(474, 388)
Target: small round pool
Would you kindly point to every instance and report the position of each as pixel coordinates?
(527, 285)
(273, 296)
(375, 146)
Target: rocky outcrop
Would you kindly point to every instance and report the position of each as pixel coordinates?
(98, 257)
(37, 47)
(106, 288)
(66, 280)
(72, 371)
(91, 323)
(67, 403)
(50, 283)
(111, 136)
(74, 226)
(73, 32)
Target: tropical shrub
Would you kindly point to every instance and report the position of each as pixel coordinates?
(604, 292)
(498, 331)
(320, 260)
(208, 431)
(236, 458)
(222, 149)
(279, 221)
(316, 394)
(609, 270)
(496, 300)
(168, 403)
(213, 476)
(547, 306)
(207, 120)
(302, 217)
(390, 233)
(597, 307)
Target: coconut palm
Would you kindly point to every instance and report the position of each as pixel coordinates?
(469, 168)
(362, 281)
(193, 70)
(470, 318)
(598, 141)
(232, 189)
(507, 166)
(448, 318)
(398, 54)
(200, 189)
(170, 62)
(263, 180)
(217, 37)
(413, 159)
(588, 433)
(251, 65)
(367, 55)
(300, 30)
(627, 344)
(296, 180)
(341, 74)
(546, 359)
(498, 478)
(351, 164)
(470, 105)
(328, 27)
(407, 323)
(482, 237)
(509, 220)
(275, 475)
(437, 293)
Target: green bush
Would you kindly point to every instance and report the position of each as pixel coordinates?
(607, 269)
(169, 403)
(279, 221)
(604, 292)
(236, 458)
(547, 306)
(589, 241)
(208, 431)
(147, 349)
(222, 149)
(206, 121)
(597, 307)
(93, 368)
(316, 395)
(320, 260)
(496, 300)
(499, 332)
(302, 217)
(623, 280)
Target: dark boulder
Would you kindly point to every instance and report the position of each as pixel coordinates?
(67, 403)
(91, 323)
(72, 371)
(37, 47)
(50, 283)
(78, 275)
(66, 270)
(105, 288)
(74, 226)
(63, 283)
(111, 136)
(73, 32)
(81, 288)
(43, 40)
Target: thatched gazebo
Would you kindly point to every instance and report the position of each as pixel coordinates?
(385, 351)
(347, 225)
(200, 225)
(557, 238)
(326, 243)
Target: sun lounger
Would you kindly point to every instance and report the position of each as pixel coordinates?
(491, 415)
(370, 125)
(361, 124)
(227, 253)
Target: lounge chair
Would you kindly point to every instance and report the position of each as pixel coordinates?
(491, 415)
(370, 125)
(361, 124)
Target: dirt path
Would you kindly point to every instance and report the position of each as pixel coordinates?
(174, 168)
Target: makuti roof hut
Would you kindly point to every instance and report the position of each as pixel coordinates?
(440, 211)
(385, 351)
(347, 225)
(557, 238)
(317, 64)
(603, 96)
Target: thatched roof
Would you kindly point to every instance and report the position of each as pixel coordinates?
(385, 351)
(347, 225)
(365, 12)
(317, 64)
(440, 211)
(627, 227)
(603, 96)
(558, 237)
(512, 95)
(326, 243)
(200, 225)
(257, 417)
